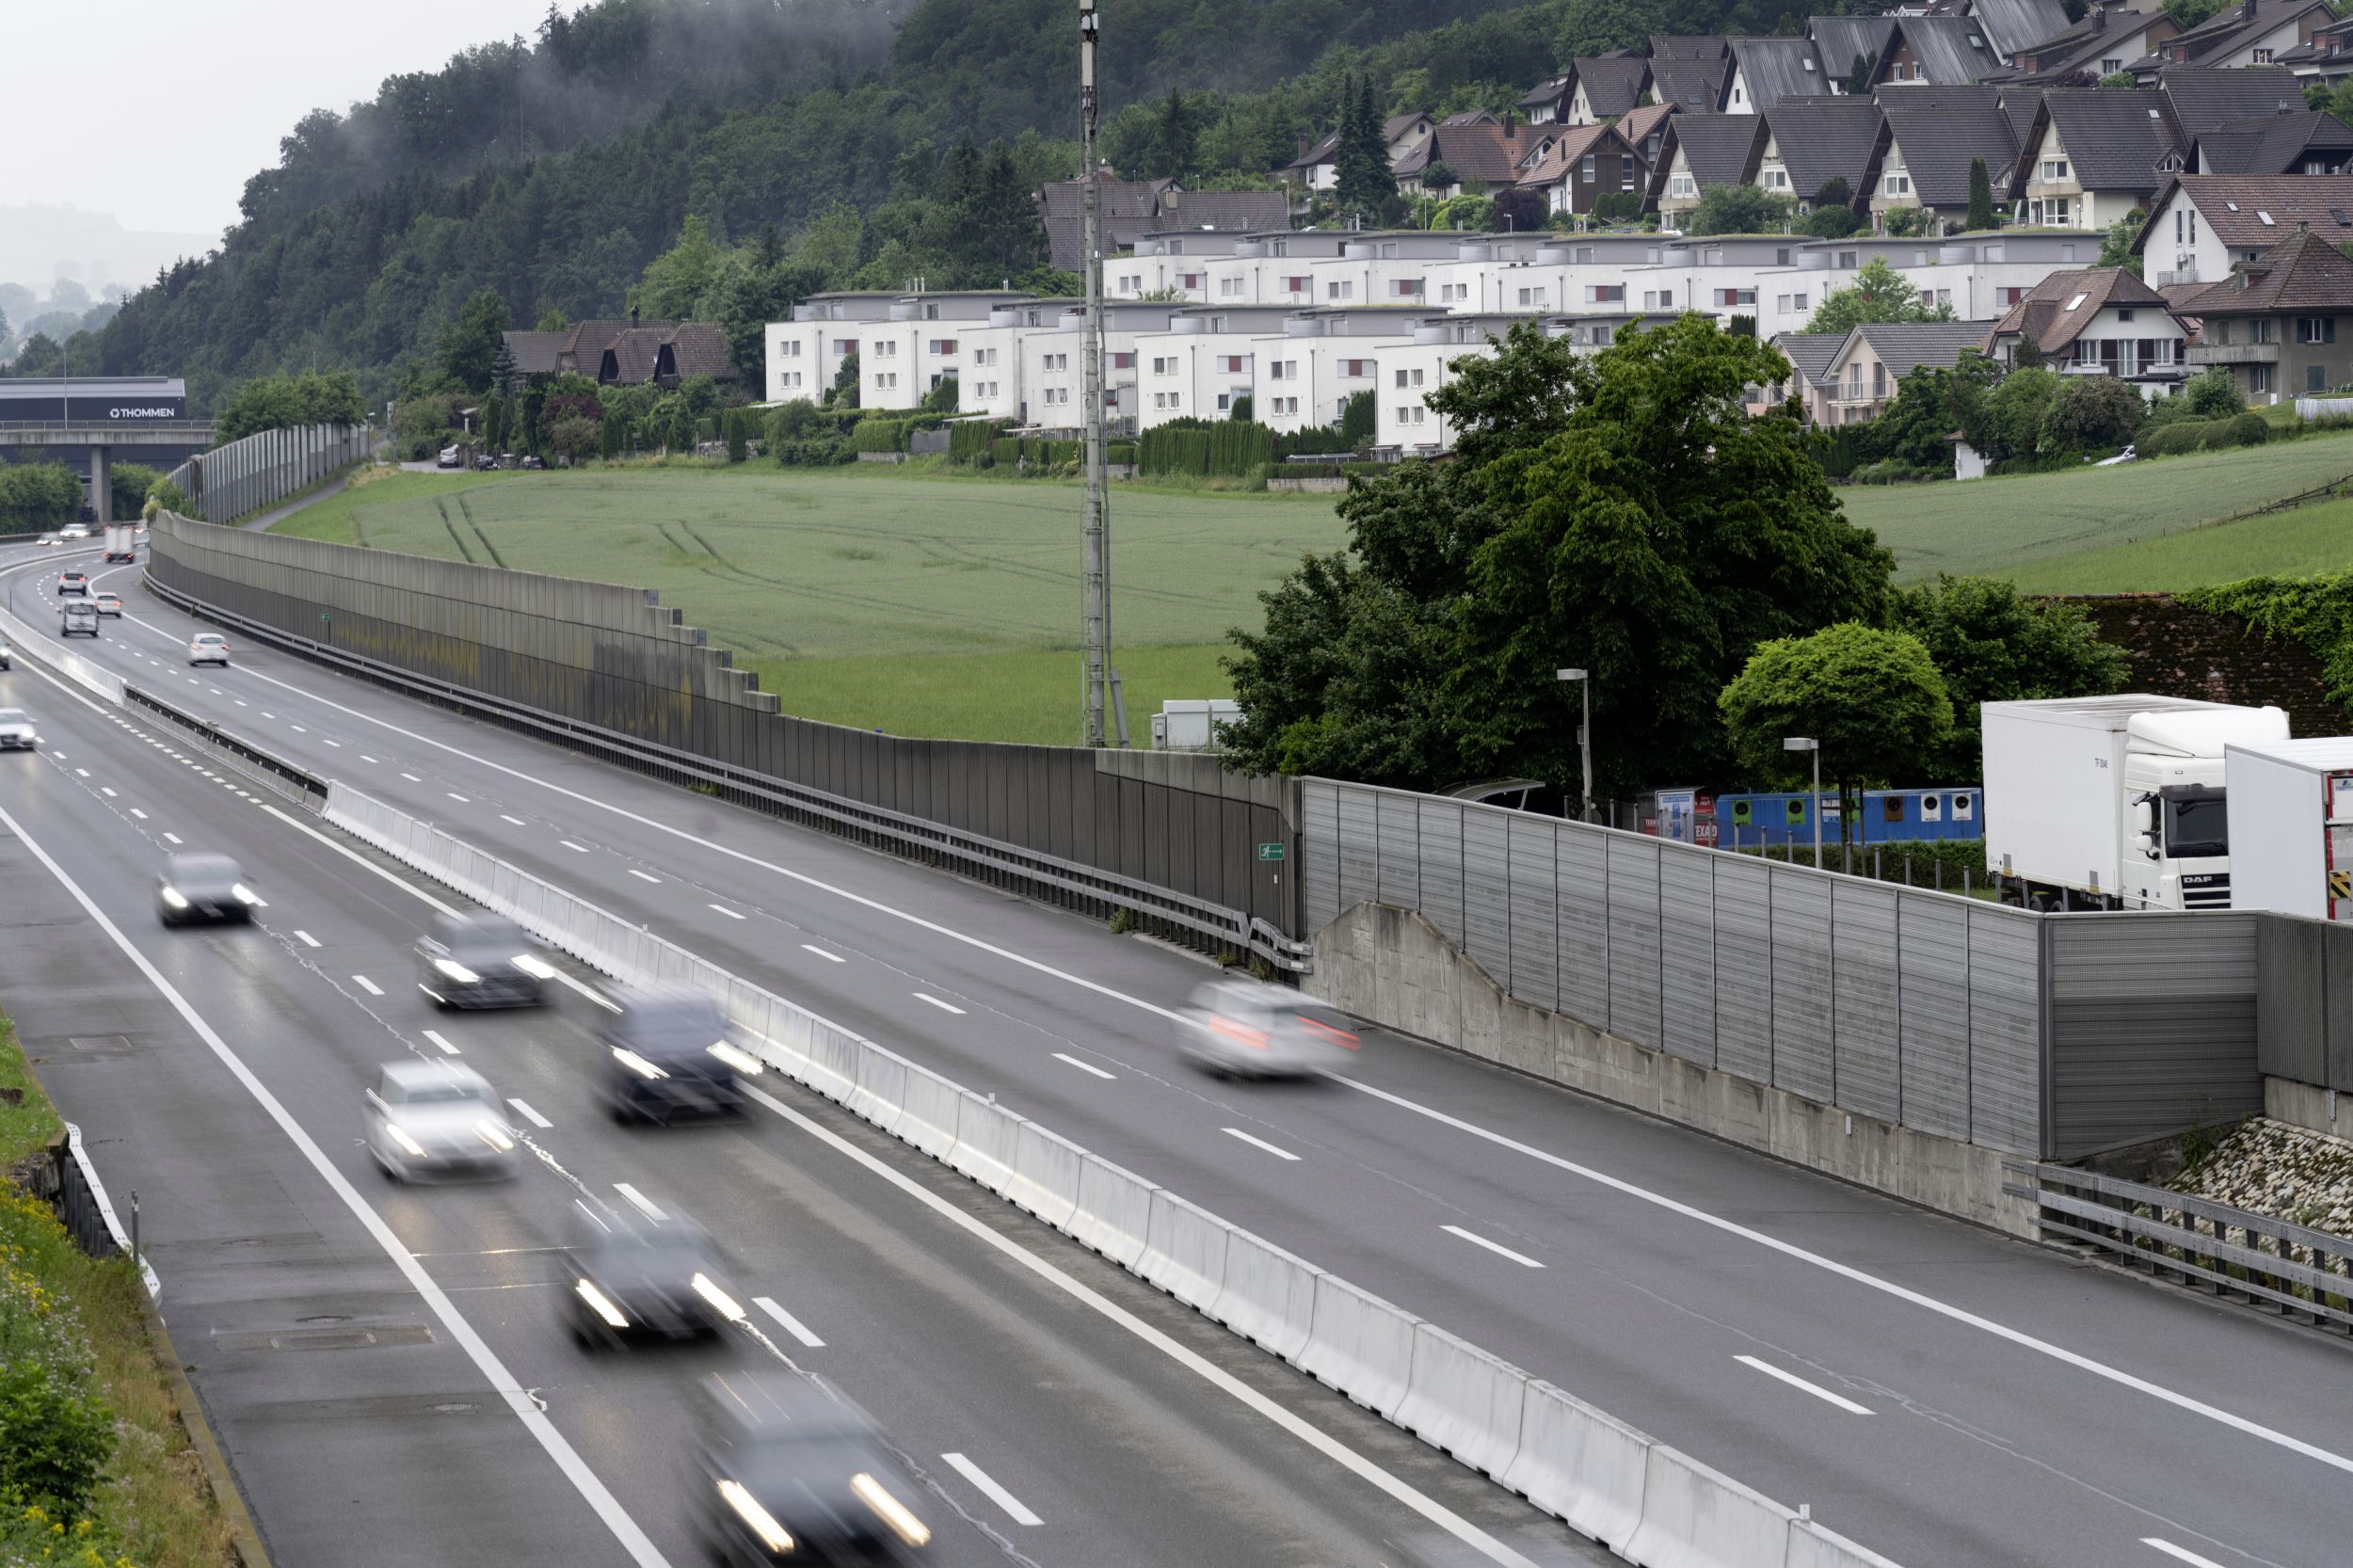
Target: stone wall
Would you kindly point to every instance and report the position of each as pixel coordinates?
(2179, 651)
(1391, 966)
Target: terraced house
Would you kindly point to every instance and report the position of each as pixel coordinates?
(2282, 323)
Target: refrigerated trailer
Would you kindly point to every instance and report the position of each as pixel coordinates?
(2113, 802)
(2292, 826)
(118, 542)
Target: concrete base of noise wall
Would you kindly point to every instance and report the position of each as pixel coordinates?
(1392, 967)
(2308, 1106)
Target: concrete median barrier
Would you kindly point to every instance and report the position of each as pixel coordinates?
(1579, 1463)
(1113, 1214)
(832, 1062)
(928, 1118)
(1361, 1346)
(1184, 1250)
(988, 1136)
(1698, 1517)
(1812, 1547)
(881, 1091)
(1268, 1296)
(1465, 1401)
(1046, 1169)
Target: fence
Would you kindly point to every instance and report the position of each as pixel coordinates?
(2045, 1035)
(2305, 1030)
(262, 470)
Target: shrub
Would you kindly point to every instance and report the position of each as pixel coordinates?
(2252, 429)
(2173, 439)
(2219, 436)
(55, 1435)
(879, 435)
(2213, 395)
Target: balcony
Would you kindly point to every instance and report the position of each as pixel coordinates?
(2234, 353)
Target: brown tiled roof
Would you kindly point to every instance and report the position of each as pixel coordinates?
(1573, 143)
(2055, 310)
(2304, 272)
(2235, 206)
(1640, 122)
(1485, 151)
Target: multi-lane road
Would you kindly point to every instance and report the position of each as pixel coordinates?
(1942, 1395)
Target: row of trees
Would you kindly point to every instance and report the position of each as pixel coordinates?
(1618, 511)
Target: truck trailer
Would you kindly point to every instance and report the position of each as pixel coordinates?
(118, 542)
(2114, 802)
(2292, 826)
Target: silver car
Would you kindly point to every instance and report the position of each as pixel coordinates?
(208, 648)
(1243, 1028)
(16, 731)
(426, 1119)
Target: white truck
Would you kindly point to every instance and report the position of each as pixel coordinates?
(2113, 802)
(118, 542)
(2292, 826)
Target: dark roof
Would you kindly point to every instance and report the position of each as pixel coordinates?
(695, 349)
(629, 358)
(2115, 138)
(1485, 150)
(583, 348)
(2275, 144)
(1686, 46)
(2055, 310)
(1554, 91)
(2021, 103)
(1839, 38)
(1396, 125)
(1228, 212)
(1904, 346)
(1939, 130)
(1640, 122)
(2230, 29)
(1135, 208)
(1612, 84)
(2237, 205)
(1810, 353)
(1720, 149)
(1777, 68)
(2304, 272)
(2012, 25)
(1952, 50)
(534, 352)
(1825, 139)
(2204, 97)
(1689, 82)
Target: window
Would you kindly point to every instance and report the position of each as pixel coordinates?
(1300, 285)
(2193, 226)
(1879, 380)
(1776, 179)
(1159, 400)
(1845, 259)
(1681, 184)
(1603, 293)
(1992, 253)
(943, 345)
(2263, 329)
(2263, 57)
(2259, 378)
(793, 349)
(1188, 279)
(2111, 66)
(1404, 414)
(1897, 185)
(1400, 379)
(1658, 300)
(1539, 299)
(886, 350)
(1417, 378)
(1124, 361)
(1625, 171)
(1781, 257)
(845, 345)
(1224, 402)
(1407, 288)
(1228, 287)
(1589, 169)
(1340, 288)
(1356, 367)
(2316, 329)
(1417, 414)
(1231, 364)
(2012, 296)
(2123, 315)
(2053, 170)
(1726, 298)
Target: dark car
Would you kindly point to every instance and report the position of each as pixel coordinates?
(667, 1055)
(533, 461)
(486, 464)
(644, 1278)
(485, 962)
(782, 1469)
(203, 888)
(8, 656)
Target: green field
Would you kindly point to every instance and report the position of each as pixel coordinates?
(919, 607)
(2046, 529)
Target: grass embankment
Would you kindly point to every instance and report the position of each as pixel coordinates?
(2112, 530)
(915, 604)
(81, 1390)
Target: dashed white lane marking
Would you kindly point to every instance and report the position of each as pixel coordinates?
(171, 837)
(829, 957)
(1796, 1381)
(1258, 1143)
(643, 876)
(84, 772)
(370, 987)
(516, 821)
(527, 1113)
(239, 701)
(643, 1204)
(1085, 1066)
(299, 730)
(103, 791)
(792, 1325)
(136, 813)
(2180, 1554)
(306, 939)
(569, 844)
(338, 744)
(1476, 1240)
(458, 798)
(412, 778)
(435, 1036)
(943, 1006)
(365, 758)
(725, 910)
(998, 1495)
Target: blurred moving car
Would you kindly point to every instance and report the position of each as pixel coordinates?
(783, 1469)
(669, 1054)
(16, 731)
(8, 657)
(50, 539)
(208, 648)
(435, 1118)
(485, 960)
(645, 1277)
(78, 619)
(203, 888)
(1247, 1029)
(107, 604)
(77, 530)
(74, 583)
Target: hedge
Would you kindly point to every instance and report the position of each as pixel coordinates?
(2171, 441)
(969, 440)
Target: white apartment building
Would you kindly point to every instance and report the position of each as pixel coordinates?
(806, 353)
(1202, 363)
(1301, 376)
(906, 344)
(1053, 363)
(991, 380)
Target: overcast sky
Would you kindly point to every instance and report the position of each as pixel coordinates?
(158, 111)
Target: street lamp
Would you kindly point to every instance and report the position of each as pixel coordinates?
(1584, 737)
(1806, 743)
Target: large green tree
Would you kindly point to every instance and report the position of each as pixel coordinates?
(1879, 293)
(1990, 645)
(470, 345)
(1740, 209)
(1363, 184)
(1871, 699)
(291, 402)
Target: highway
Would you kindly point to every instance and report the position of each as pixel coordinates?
(1942, 1395)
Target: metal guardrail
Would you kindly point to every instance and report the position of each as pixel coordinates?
(306, 789)
(992, 860)
(2303, 1274)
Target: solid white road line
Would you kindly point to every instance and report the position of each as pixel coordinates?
(829, 957)
(1795, 1381)
(2179, 1554)
(725, 910)
(502, 1382)
(527, 1113)
(1258, 1143)
(1521, 1258)
(435, 1036)
(998, 1495)
(1085, 1066)
(943, 1006)
(358, 859)
(569, 844)
(643, 876)
(644, 1205)
(306, 939)
(370, 987)
(792, 1325)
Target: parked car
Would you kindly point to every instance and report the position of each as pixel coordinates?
(203, 888)
(16, 731)
(208, 648)
(107, 604)
(449, 458)
(437, 1118)
(77, 619)
(74, 583)
(533, 461)
(486, 464)
(1248, 1030)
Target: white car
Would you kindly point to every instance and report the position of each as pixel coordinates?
(16, 731)
(209, 647)
(437, 1118)
(1243, 1028)
(74, 531)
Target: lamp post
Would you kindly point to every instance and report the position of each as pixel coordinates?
(1807, 743)
(1584, 739)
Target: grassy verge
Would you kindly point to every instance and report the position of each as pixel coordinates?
(153, 1506)
(2301, 542)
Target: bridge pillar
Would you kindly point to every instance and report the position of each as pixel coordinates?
(102, 483)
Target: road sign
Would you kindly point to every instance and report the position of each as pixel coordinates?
(1270, 852)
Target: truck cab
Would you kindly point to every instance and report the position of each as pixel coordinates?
(2175, 851)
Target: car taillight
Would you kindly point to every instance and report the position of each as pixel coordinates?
(1337, 1036)
(1254, 1038)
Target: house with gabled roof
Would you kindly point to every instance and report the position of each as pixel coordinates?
(2011, 25)
(1689, 73)
(2325, 59)
(2307, 142)
(1481, 149)
(2282, 324)
(1582, 164)
(2109, 38)
(1937, 51)
(1700, 151)
(2096, 321)
(1809, 355)
(1316, 167)
(2251, 32)
(1871, 362)
(2200, 226)
(1842, 42)
(2092, 154)
(2203, 97)
(1644, 127)
(1928, 138)
(1811, 141)
(1547, 102)
(1606, 88)
(1765, 71)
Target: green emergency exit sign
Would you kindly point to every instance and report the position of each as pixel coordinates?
(1270, 852)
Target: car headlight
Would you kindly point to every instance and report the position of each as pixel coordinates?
(244, 894)
(764, 1524)
(175, 898)
(538, 969)
(636, 1063)
(893, 1513)
(494, 1135)
(455, 971)
(742, 1060)
(602, 1304)
(719, 1299)
(408, 1145)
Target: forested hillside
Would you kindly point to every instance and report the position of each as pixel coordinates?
(824, 141)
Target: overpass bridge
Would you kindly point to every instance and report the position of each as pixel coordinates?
(160, 442)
